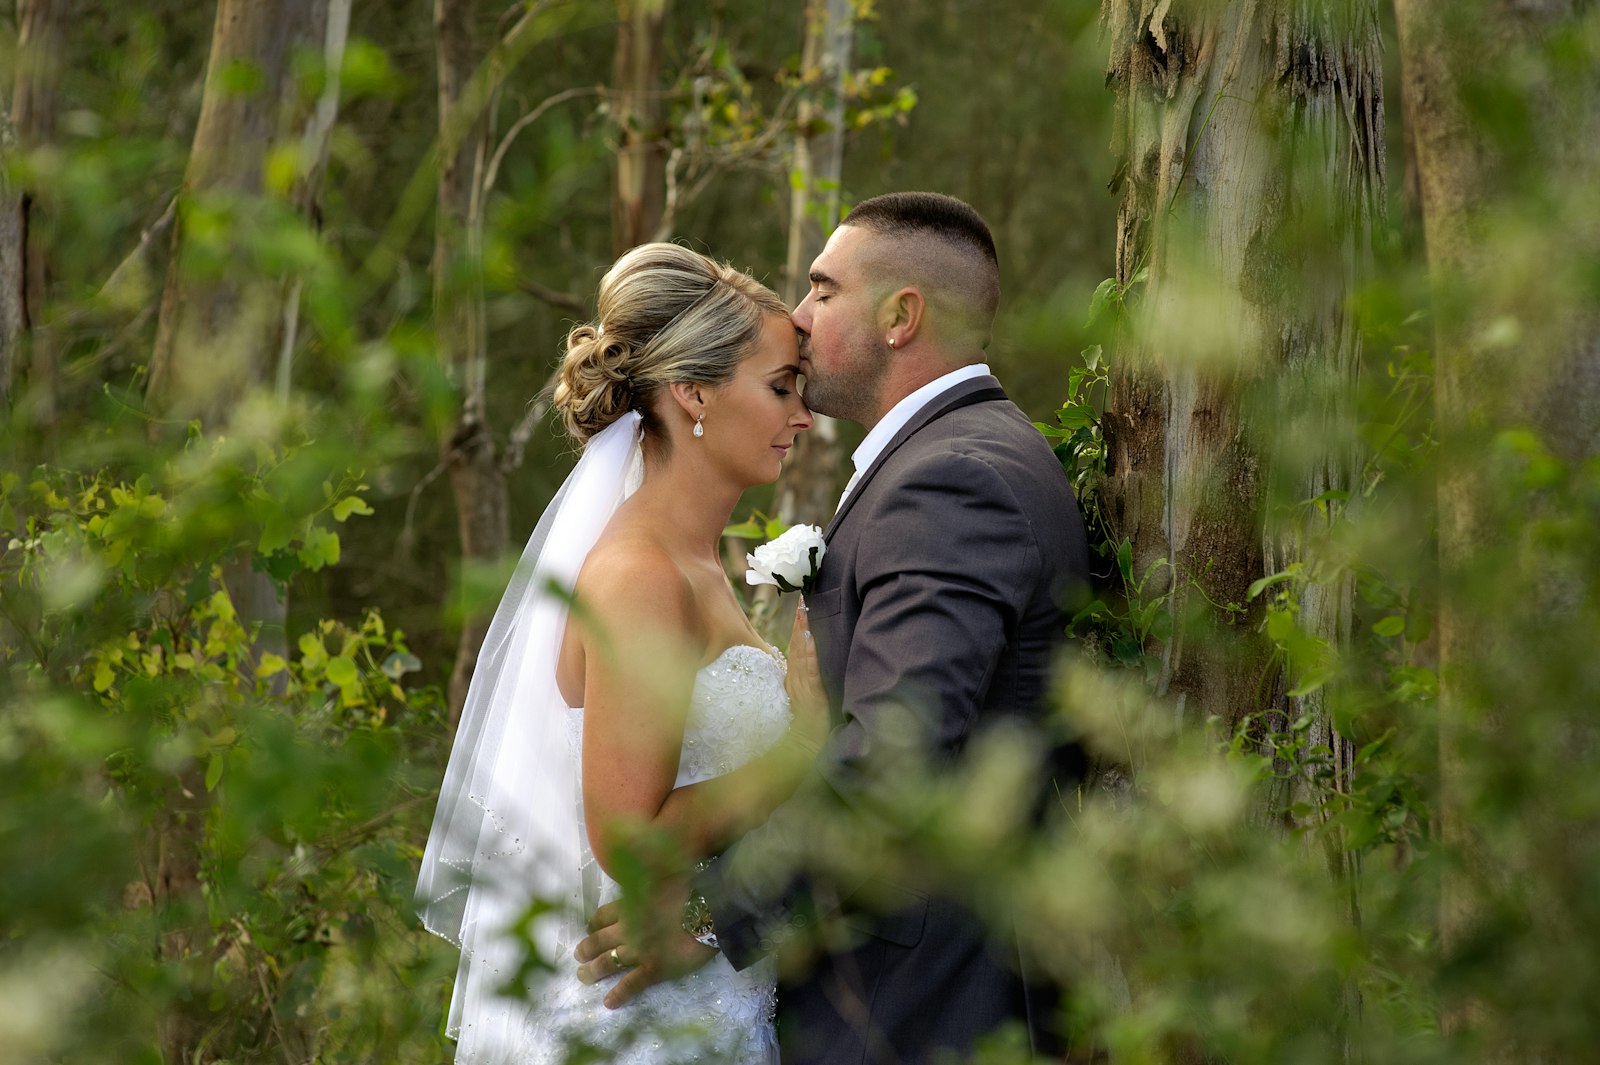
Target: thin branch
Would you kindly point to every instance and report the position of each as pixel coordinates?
(517, 443)
(156, 230)
(523, 123)
(566, 301)
(403, 543)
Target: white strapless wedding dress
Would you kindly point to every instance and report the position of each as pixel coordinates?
(739, 710)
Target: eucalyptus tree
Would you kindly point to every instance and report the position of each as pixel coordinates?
(1503, 105)
(1250, 170)
(806, 491)
(30, 125)
(638, 188)
(224, 317)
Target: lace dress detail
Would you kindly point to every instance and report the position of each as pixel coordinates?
(738, 711)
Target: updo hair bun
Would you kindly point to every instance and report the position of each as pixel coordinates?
(666, 315)
(592, 390)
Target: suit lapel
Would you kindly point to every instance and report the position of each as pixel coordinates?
(978, 390)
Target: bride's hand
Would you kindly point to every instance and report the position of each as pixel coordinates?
(807, 701)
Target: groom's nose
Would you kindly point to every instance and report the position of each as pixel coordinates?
(801, 317)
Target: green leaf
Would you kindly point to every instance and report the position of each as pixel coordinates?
(312, 653)
(103, 676)
(214, 771)
(1105, 296)
(276, 532)
(1280, 626)
(321, 548)
(1393, 625)
(1310, 682)
(343, 672)
(745, 530)
(271, 664)
(350, 505)
(1261, 585)
(1077, 416)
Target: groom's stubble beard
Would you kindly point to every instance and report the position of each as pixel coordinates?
(850, 389)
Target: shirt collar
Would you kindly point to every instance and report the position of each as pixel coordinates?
(901, 413)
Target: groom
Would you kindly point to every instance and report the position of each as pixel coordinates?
(937, 614)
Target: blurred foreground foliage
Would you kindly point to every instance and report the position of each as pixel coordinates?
(213, 836)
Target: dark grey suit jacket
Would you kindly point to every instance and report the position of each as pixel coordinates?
(940, 601)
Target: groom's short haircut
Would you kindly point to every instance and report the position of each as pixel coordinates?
(957, 256)
(932, 213)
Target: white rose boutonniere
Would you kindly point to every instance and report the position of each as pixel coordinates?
(788, 562)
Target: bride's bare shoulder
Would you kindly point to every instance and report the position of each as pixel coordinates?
(630, 569)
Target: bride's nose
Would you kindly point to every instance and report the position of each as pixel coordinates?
(800, 420)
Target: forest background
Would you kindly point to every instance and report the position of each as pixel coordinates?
(1306, 293)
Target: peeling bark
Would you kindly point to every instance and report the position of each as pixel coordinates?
(1249, 138)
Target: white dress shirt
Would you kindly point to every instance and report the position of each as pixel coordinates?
(891, 423)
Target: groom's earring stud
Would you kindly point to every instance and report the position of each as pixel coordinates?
(891, 342)
(699, 430)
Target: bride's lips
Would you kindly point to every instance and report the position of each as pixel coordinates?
(782, 449)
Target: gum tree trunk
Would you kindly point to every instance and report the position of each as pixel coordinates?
(809, 487)
(1525, 362)
(469, 452)
(216, 336)
(34, 105)
(1249, 138)
(639, 190)
(216, 339)
(13, 318)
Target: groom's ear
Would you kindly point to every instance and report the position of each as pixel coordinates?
(900, 316)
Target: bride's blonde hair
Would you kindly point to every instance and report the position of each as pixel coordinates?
(666, 314)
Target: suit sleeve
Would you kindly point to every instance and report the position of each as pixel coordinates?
(946, 562)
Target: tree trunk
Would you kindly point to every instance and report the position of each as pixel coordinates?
(468, 453)
(34, 105)
(13, 257)
(215, 337)
(1508, 358)
(639, 191)
(808, 491)
(1249, 134)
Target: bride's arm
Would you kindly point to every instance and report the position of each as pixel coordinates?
(641, 639)
(638, 676)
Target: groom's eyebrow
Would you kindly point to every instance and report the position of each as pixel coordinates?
(820, 278)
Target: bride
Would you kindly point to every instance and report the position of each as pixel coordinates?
(683, 393)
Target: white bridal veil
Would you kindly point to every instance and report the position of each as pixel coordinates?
(509, 827)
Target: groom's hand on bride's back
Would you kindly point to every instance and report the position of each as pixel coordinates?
(610, 948)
